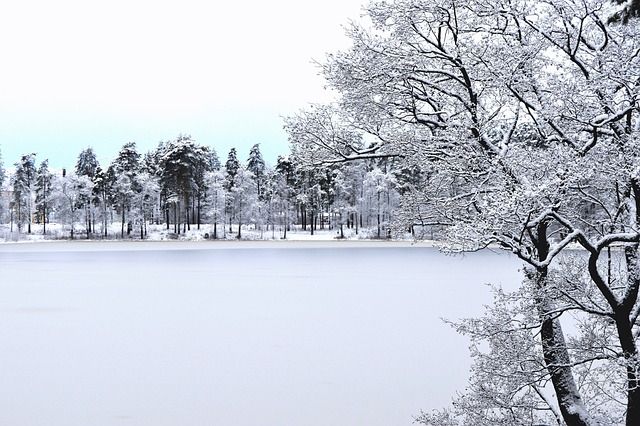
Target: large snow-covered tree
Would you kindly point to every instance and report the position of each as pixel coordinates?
(183, 168)
(524, 115)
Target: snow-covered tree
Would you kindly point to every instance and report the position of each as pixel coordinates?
(23, 185)
(101, 196)
(87, 165)
(68, 192)
(183, 165)
(216, 182)
(231, 168)
(43, 188)
(447, 86)
(3, 177)
(379, 187)
(256, 165)
(144, 201)
(121, 175)
(243, 197)
(284, 184)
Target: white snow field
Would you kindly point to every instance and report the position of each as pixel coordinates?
(235, 334)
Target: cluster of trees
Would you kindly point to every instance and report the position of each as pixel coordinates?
(182, 184)
(524, 118)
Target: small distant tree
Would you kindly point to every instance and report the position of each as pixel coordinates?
(68, 193)
(101, 193)
(144, 200)
(256, 165)
(217, 198)
(231, 169)
(23, 181)
(2, 180)
(43, 189)
(122, 173)
(87, 165)
(244, 198)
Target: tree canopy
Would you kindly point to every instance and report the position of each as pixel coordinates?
(522, 117)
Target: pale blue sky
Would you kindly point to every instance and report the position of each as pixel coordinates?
(76, 73)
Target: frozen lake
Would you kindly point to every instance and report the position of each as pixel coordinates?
(255, 334)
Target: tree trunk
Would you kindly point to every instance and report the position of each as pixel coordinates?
(626, 335)
(554, 346)
(122, 225)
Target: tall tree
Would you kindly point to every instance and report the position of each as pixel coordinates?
(231, 167)
(23, 181)
(256, 165)
(102, 196)
(122, 173)
(43, 194)
(445, 86)
(215, 186)
(3, 176)
(87, 165)
(68, 191)
(183, 167)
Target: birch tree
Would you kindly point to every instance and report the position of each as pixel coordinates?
(68, 192)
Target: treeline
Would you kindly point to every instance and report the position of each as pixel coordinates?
(182, 184)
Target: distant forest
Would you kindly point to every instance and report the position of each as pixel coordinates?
(182, 184)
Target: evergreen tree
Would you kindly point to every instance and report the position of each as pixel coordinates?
(101, 196)
(183, 166)
(256, 165)
(87, 165)
(121, 175)
(43, 194)
(23, 181)
(231, 169)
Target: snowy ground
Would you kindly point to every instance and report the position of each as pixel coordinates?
(234, 333)
(56, 232)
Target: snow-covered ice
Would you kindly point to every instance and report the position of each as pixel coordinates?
(244, 333)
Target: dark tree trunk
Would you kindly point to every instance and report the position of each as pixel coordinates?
(122, 226)
(554, 347)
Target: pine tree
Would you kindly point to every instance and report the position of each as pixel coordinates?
(23, 181)
(256, 165)
(231, 168)
(87, 165)
(43, 193)
(122, 173)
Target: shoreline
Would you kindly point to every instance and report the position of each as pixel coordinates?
(131, 245)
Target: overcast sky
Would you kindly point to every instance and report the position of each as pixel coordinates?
(76, 74)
